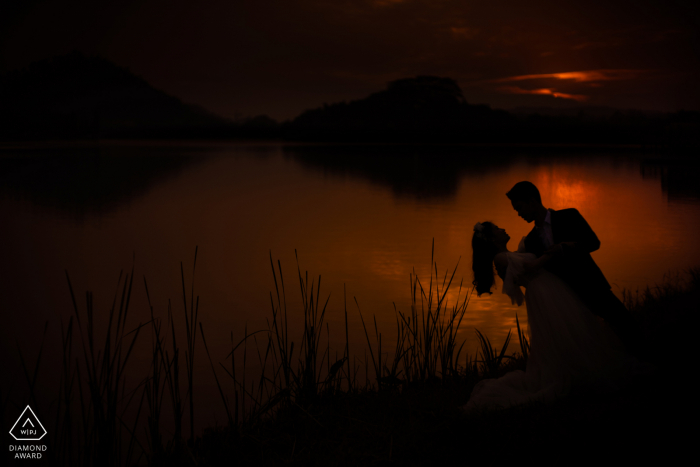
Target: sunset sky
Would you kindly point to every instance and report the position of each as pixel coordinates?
(241, 58)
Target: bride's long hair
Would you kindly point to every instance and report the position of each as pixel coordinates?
(484, 250)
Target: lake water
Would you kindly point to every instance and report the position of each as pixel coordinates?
(362, 217)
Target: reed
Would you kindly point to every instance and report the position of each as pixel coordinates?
(297, 375)
(118, 424)
(297, 378)
(191, 320)
(644, 304)
(491, 359)
(103, 428)
(64, 412)
(163, 378)
(427, 345)
(101, 382)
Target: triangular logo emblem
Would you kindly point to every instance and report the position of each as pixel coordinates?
(28, 427)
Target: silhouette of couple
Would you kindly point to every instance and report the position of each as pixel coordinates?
(569, 345)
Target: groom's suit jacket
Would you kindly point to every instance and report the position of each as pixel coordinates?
(576, 266)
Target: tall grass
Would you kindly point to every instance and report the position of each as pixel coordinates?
(645, 303)
(103, 419)
(98, 411)
(663, 315)
(428, 347)
(103, 435)
(163, 379)
(191, 320)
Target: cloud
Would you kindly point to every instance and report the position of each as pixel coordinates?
(590, 76)
(563, 85)
(543, 92)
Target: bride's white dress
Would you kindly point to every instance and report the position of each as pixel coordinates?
(569, 346)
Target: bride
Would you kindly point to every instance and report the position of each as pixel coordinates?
(569, 346)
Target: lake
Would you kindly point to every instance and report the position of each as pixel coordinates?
(362, 217)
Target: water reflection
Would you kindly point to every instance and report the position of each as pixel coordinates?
(363, 217)
(420, 172)
(680, 178)
(81, 181)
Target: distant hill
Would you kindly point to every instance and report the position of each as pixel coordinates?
(75, 96)
(425, 107)
(433, 110)
(79, 97)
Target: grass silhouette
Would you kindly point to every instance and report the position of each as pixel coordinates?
(308, 406)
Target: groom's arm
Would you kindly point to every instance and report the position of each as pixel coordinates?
(574, 235)
(580, 238)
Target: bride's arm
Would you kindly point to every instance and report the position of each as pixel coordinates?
(501, 263)
(511, 287)
(541, 261)
(536, 265)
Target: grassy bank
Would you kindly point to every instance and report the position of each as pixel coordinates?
(309, 407)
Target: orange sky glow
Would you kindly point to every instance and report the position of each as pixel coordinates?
(592, 78)
(578, 76)
(544, 91)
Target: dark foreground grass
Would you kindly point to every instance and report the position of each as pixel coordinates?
(310, 408)
(423, 427)
(419, 422)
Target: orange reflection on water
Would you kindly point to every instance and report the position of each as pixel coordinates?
(383, 264)
(563, 189)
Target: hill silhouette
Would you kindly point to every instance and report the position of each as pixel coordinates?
(75, 96)
(425, 107)
(433, 110)
(79, 97)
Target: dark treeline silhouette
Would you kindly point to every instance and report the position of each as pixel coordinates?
(79, 97)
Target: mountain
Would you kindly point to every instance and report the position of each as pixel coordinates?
(75, 96)
(79, 97)
(423, 108)
(429, 109)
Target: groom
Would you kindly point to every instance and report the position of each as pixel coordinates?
(567, 236)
